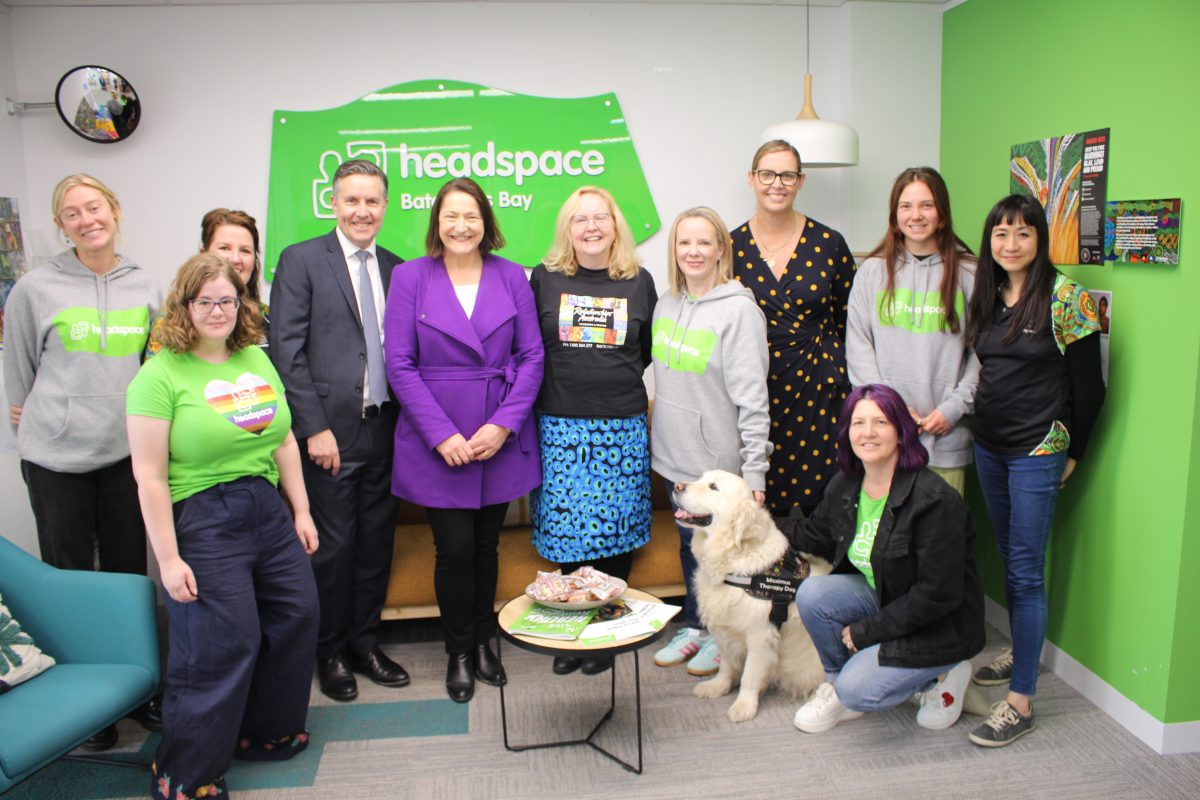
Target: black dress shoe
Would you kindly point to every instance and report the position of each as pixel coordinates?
(460, 678)
(565, 665)
(106, 739)
(487, 666)
(594, 666)
(149, 714)
(379, 668)
(336, 679)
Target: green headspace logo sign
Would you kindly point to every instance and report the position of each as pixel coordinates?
(528, 154)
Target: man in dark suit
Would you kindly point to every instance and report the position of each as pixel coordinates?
(331, 364)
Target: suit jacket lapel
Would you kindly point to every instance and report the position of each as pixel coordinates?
(336, 261)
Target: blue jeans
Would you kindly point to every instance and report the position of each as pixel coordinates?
(1020, 492)
(687, 561)
(829, 603)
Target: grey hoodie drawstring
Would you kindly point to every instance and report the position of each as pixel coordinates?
(102, 307)
(690, 304)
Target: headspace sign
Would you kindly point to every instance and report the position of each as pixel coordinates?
(528, 154)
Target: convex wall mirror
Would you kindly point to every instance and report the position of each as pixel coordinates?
(98, 104)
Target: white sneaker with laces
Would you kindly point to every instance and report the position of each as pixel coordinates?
(823, 711)
(942, 703)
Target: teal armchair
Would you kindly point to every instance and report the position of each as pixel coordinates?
(102, 629)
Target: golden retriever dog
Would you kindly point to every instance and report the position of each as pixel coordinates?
(734, 536)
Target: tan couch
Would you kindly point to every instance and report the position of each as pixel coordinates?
(410, 592)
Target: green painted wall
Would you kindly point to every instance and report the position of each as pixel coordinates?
(1125, 551)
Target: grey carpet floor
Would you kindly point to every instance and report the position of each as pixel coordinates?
(692, 751)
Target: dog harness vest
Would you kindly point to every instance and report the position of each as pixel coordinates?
(778, 584)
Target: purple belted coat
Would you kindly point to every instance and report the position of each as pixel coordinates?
(452, 374)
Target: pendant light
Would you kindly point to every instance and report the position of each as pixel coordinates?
(820, 142)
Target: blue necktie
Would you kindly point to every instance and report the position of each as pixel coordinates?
(376, 374)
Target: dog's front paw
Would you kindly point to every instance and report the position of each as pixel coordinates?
(716, 687)
(744, 709)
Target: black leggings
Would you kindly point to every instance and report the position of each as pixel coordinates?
(464, 577)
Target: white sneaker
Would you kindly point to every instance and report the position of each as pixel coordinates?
(686, 644)
(823, 711)
(942, 703)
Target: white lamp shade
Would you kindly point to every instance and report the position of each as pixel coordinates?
(820, 142)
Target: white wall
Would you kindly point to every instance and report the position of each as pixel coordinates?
(16, 520)
(895, 105)
(697, 85)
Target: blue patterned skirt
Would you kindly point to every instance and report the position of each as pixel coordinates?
(595, 495)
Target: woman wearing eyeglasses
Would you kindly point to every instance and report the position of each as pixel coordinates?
(800, 272)
(211, 440)
(594, 305)
(232, 235)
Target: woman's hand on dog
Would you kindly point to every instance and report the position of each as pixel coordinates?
(848, 640)
(760, 498)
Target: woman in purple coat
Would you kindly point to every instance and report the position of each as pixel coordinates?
(464, 356)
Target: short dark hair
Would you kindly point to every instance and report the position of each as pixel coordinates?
(913, 455)
(360, 166)
(492, 238)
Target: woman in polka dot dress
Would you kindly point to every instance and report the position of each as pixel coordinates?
(800, 272)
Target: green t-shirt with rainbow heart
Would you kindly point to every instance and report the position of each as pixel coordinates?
(227, 420)
(869, 513)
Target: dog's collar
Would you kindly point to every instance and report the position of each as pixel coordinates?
(778, 584)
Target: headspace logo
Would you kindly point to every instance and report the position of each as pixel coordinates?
(487, 163)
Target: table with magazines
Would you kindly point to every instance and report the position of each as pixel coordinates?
(512, 611)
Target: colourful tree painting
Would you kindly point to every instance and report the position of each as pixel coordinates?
(1050, 169)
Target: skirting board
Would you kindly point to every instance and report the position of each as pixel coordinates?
(1163, 738)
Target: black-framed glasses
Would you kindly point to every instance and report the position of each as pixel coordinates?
(767, 176)
(203, 306)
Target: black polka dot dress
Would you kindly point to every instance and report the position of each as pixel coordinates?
(807, 382)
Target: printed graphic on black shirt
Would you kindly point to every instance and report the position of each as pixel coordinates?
(586, 321)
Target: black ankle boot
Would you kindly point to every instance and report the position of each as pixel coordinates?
(460, 678)
(487, 666)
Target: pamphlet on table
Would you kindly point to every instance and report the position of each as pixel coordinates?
(640, 617)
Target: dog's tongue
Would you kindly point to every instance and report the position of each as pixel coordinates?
(681, 514)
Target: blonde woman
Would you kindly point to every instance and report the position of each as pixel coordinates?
(594, 304)
(710, 392)
(75, 332)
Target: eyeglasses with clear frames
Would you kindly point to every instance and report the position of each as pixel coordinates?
(599, 220)
(203, 306)
(767, 176)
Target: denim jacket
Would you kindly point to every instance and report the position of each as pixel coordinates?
(930, 597)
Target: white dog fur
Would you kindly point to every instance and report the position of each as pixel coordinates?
(741, 539)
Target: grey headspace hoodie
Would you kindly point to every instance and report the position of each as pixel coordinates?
(73, 340)
(710, 386)
(908, 348)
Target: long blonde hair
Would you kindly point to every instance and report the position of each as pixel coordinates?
(623, 261)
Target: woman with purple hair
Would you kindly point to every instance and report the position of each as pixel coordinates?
(902, 612)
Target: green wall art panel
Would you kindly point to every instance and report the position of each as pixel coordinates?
(528, 153)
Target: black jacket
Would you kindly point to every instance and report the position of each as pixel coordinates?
(930, 598)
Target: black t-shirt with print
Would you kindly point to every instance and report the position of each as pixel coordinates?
(597, 336)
